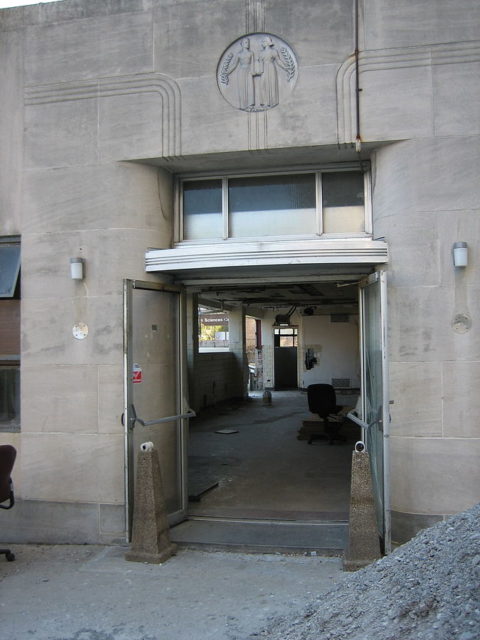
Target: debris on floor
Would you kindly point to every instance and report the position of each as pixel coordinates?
(428, 589)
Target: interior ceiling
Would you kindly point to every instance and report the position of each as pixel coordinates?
(328, 290)
(324, 297)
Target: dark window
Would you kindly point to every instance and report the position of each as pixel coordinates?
(9, 334)
(9, 268)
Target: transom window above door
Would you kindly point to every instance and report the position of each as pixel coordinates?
(293, 204)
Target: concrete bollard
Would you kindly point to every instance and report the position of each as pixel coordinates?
(267, 398)
(150, 536)
(363, 546)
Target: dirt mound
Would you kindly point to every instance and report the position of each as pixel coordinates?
(428, 589)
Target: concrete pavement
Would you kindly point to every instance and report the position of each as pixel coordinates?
(73, 592)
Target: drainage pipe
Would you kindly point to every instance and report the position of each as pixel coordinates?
(358, 137)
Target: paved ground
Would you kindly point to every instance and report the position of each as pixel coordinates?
(91, 593)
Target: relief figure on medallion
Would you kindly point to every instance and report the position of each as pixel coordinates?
(266, 74)
(255, 71)
(243, 59)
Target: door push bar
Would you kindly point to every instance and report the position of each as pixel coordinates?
(361, 445)
(352, 415)
(148, 423)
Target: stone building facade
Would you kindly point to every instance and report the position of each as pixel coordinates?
(114, 112)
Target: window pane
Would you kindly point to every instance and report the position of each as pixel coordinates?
(9, 268)
(9, 328)
(9, 398)
(202, 209)
(272, 205)
(212, 330)
(343, 202)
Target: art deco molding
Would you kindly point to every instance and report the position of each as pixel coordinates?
(384, 59)
(165, 88)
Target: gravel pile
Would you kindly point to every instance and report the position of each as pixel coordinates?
(428, 589)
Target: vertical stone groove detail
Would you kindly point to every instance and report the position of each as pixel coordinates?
(257, 122)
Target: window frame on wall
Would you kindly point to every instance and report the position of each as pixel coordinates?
(285, 336)
(10, 329)
(217, 345)
(319, 231)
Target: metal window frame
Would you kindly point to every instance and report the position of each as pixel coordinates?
(14, 242)
(317, 171)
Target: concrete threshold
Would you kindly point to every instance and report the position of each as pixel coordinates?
(262, 536)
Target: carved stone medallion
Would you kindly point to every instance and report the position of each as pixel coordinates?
(256, 72)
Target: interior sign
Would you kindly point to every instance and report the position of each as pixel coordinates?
(137, 373)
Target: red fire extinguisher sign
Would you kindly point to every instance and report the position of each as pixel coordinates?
(137, 374)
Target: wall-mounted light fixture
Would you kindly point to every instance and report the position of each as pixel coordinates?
(460, 254)
(77, 268)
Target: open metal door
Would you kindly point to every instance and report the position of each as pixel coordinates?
(155, 409)
(375, 417)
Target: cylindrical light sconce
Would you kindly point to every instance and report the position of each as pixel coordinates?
(76, 268)
(460, 254)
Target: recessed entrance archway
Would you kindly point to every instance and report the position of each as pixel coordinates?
(329, 294)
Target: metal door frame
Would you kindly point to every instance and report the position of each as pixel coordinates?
(379, 277)
(130, 417)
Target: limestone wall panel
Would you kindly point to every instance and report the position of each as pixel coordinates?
(92, 47)
(72, 467)
(447, 171)
(110, 256)
(456, 99)
(61, 134)
(390, 23)
(396, 103)
(47, 330)
(190, 36)
(434, 475)
(131, 126)
(461, 400)
(110, 399)
(91, 197)
(209, 123)
(415, 256)
(308, 115)
(320, 32)
(61, 399)
(414, 390)
(421, 325)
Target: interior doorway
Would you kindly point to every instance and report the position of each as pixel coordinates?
(285, 341)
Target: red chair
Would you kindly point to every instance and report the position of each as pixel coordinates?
(7, 460)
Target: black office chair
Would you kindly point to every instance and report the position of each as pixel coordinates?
(7, 460)
(322, 401)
